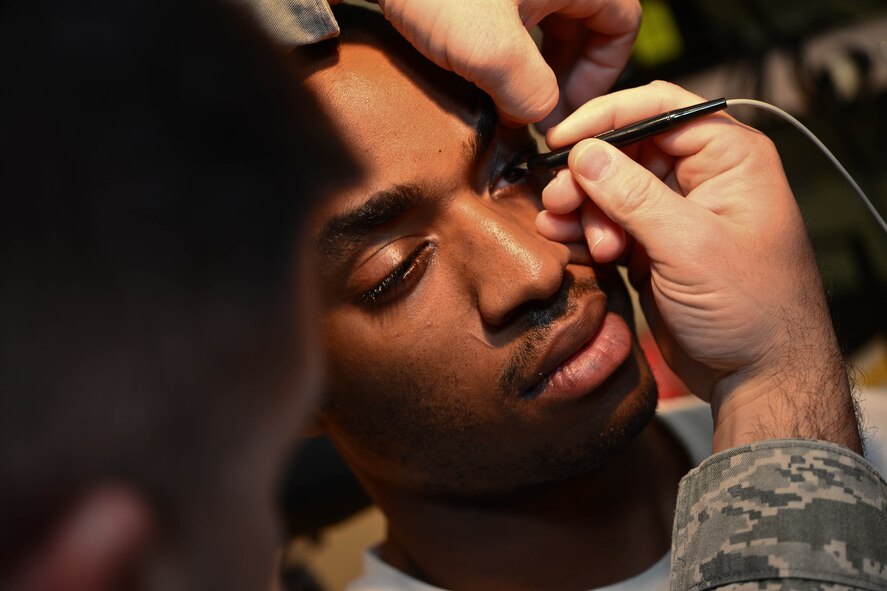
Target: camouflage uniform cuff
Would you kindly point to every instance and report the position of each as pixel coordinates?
(777, 514)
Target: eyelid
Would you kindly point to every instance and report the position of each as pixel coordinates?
(394, 281)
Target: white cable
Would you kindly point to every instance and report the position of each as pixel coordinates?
(819, 144)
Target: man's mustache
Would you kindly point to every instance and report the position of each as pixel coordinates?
(538, 319)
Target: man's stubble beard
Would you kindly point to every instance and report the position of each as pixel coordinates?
(421, 444)
(438, 451)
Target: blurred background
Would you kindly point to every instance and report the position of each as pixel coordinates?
(824, 61)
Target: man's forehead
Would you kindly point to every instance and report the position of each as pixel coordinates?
(370, 89)
(391, 122)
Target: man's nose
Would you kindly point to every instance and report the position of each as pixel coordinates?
(508, 263)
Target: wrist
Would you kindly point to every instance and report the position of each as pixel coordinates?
(801, 399)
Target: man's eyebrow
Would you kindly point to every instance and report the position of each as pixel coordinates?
(347, 231)
(484, 131)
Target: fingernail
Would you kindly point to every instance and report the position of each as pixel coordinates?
(595, 237)
(592, 162)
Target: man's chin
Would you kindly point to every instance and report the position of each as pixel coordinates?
(625, 409)
(617, 418)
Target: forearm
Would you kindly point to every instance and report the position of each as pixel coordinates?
(779, 512)
(822, 409)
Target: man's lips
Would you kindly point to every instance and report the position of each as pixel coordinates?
(589, 347)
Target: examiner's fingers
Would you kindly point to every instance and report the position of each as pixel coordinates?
(618, 109)
(486, 43)
(587, 44)
(560, 228)
(516, 76)
(563, 195)
(632, 196)
(606, 240)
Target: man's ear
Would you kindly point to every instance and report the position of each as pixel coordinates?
(101, 544)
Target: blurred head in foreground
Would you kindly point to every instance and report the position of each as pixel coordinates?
(157, 162)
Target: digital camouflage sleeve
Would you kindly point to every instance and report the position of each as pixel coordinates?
(782, 514)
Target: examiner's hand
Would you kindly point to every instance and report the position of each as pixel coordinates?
(586, 42)
(718, 252)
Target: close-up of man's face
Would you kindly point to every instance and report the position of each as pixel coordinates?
(465, 353)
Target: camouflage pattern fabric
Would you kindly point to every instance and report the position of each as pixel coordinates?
(781, 514)
(295, 22)
(787, 585)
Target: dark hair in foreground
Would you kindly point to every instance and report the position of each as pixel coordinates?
(155, 163)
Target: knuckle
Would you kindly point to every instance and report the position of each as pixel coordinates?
(763, 150)
(661, 84)
(636, 191)
(763, 143)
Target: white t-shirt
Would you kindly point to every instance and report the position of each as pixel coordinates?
(690, 420)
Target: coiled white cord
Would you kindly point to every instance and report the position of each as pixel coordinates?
(819, 144)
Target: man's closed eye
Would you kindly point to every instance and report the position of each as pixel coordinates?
(402, 278)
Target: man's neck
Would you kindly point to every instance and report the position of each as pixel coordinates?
(592, 531)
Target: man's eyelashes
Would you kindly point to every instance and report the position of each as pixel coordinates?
(402, 278)
(511, 173)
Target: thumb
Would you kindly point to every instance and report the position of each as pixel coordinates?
(631, 196)
(516, 77)
(485, 43)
